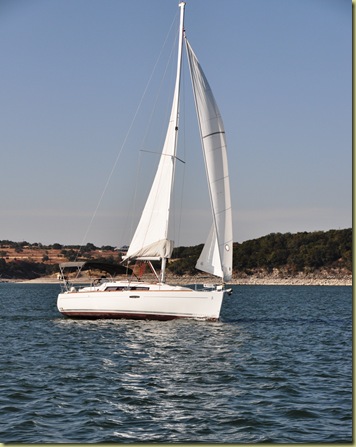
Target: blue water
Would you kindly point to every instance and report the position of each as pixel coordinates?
(276, 368)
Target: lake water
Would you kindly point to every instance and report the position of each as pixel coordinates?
(276, 368)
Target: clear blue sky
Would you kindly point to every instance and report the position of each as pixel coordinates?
(72, 75)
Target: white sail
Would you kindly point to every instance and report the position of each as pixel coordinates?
(216, 257)
(150, 240)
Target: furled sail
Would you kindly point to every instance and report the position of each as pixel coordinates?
(216, 257)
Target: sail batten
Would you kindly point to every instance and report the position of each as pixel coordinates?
(214, 133)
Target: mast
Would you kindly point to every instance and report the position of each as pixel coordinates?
(175, 112)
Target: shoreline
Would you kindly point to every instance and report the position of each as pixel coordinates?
(263, 280)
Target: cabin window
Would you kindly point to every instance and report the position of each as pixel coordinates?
(113, 288)
(121, 288)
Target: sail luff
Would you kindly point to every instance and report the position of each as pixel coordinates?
(151, 236)
(216, 257)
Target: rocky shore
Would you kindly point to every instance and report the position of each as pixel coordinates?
(301, 279)
(275, 278)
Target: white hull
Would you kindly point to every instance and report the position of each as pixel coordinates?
(141, 301)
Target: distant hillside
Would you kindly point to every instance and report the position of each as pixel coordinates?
(291, 253)
(22, 260)
(296, 252)
(300, 252)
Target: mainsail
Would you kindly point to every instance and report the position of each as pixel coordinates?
(216, 257)
(150, 240)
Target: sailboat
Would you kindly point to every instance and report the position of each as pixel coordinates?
(135, 299)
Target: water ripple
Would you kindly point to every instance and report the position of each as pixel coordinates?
(277, 368)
